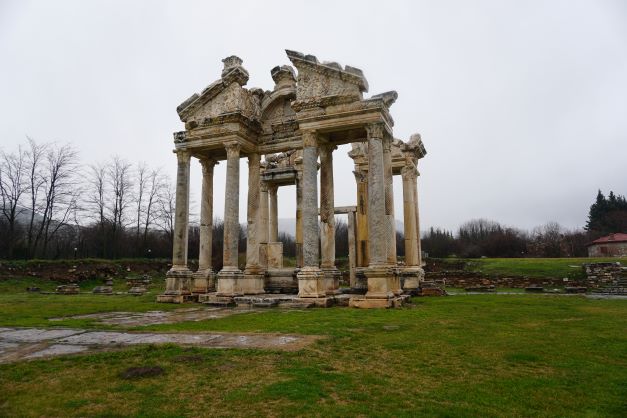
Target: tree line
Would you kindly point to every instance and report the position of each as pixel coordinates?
(54, 207)
(482, 237)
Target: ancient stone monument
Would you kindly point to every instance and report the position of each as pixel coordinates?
(296, 127)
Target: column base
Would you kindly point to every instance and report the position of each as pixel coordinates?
(251, 283)
(203, 281)
(178, 285)
(383, 282)
(331, 280)
(311, 283)
(227, 283)
(411, 277)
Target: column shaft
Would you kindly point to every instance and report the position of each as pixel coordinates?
(389, 201)
(377, 220)
(263, 224)
(231, 208)
(274, 214)
(252, 215)
(206, 214)
(181, 220)
(409, 217)
(417, 213)
(352, 262)
(299, 218)
(327, 208)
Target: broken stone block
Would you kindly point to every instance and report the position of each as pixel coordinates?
(68, 289)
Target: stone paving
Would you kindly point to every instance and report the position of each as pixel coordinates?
(31, 343)
(138, 319)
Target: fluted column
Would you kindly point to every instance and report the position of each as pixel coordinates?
(252, 282)
(204, 277)
(252, 215)
(363, 249)
(310, 278)
(327, 220)
(228, 284)
(408, 173)
(263, 224)
(274, 213)
(299, 213)
(389, 201)
(417, 212)
(383, 281)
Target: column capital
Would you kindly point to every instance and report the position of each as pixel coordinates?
(360, 176)
(326, 150)
(232, 149)
(409, 172)
(375, 130)
(183, 155)
(207, 162)
(310, 138)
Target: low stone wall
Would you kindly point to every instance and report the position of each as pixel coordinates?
(73, 271)
(465, 279)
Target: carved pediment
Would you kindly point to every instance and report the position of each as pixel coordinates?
(317, 80)
(224, 96)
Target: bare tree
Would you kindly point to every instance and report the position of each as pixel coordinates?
(119, 178)
(35, 157)
(12, 187)
(61, 193)
(166, 208)
(156, 184)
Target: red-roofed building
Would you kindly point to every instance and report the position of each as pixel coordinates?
(613, 245)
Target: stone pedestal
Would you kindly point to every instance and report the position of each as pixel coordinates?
(203, 281)
(274, 254)
(411, 278)
(228, 282)
(311, 283)
(178, 285)
(331, 280)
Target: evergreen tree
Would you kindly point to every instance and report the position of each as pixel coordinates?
(607, 215)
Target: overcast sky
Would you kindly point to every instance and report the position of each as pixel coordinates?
(522, 105)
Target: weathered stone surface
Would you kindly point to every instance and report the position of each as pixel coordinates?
(307, 114)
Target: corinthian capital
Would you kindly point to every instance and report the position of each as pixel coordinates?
(310, 139)
(232, 149)
(375, 130)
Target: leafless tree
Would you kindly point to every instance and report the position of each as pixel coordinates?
(166, 208)
(12, 188)
(120, 182)
(62, 190)
(35, 156)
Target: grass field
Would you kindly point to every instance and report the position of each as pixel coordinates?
(531, 267)
(483, 356)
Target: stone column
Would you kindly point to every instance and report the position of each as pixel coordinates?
(382, 283)
(229, 276)
(412, 272)
(310, 277)
(179, 276)
(389, 200)
(363, 250)
(263, 224)
(252, 283)
(417, 211)
(327, 220)
(352, 250)
(408, 173)
(204, 278)
(299, 213)
(274, 213)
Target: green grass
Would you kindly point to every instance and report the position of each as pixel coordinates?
(531, 267)
(483, 356)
